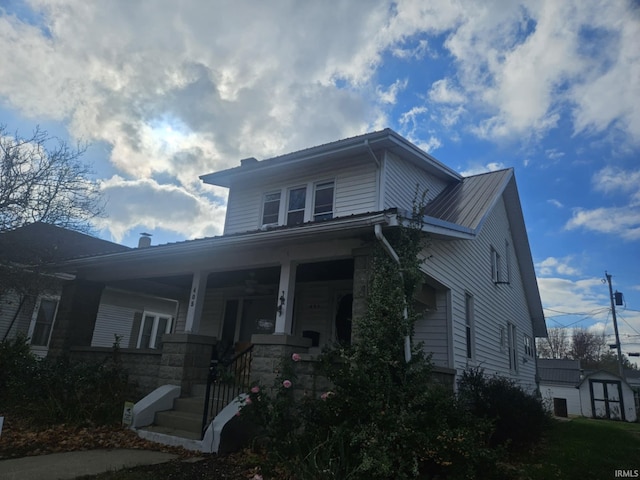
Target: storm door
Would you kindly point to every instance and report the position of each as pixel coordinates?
(606, 399)
(244, 317)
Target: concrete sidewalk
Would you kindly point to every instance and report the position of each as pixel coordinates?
(75, 464)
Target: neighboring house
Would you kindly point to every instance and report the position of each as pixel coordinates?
(29, 299)
(568, 390)
(289, 273)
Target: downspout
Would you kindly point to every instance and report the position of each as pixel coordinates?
(377, 228)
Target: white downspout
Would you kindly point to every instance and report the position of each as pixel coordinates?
(377, 228)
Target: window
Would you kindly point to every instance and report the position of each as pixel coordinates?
(507, 252)
(271, 208)
(528, 345)
(513, 347)
(152, 328)
(295, 208)
(42, 321)
(323, 202)
(469, 325)
(503, 339)
(495, 266)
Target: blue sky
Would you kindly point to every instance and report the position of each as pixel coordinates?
(167, 91)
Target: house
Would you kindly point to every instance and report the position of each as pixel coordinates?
(289, 272)
(568, 390)
(29, 297)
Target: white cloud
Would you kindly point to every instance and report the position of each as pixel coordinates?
(554, 266)
(390, 95)
(135, 203)
(621, 221)
(478, 169)
(555, 203)
(442, 92)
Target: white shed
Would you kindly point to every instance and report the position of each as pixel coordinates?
(605, 395)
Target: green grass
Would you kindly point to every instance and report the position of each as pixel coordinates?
(584, 449)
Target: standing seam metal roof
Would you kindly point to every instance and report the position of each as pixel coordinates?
(466, 203)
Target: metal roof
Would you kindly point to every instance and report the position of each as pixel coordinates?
(360, 144)
(468, 202)
(559, 371)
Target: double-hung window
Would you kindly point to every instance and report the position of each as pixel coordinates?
(323, 202)
(42, 321)
(271, 208)
(296, 205)
(495, 266)
(513, 347)
(152, 328)
(469, 325)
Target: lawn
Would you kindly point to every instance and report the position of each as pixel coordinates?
(584, 449)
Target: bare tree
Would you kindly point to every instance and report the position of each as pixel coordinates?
(42, 179)
(587, 346)
(556, 345)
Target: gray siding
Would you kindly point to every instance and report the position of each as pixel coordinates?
(432, 329)
(355, 192)
(400, 180)
(116, 311)
(465, 266)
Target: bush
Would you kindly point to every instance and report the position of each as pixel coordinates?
(53, 391)
(519, 418)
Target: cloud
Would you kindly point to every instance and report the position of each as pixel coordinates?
(390, 95)
(552, 266)
(442, 92)
(478, 169)
(555, 203)
(621, 221)
(132, 204)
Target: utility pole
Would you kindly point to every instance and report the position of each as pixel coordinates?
(615, 324)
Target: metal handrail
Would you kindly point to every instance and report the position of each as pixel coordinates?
(226, 380)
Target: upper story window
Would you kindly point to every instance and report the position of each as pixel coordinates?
(323, 202)
(271, 208)
(469, 330)
(495, 266)
(296, 205)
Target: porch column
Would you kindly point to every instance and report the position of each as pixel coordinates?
(286, 292)
(196, 300)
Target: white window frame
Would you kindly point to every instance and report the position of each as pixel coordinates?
(34, 320)
(495, 266)
(322, 186)
(512, 336)
(304, 209)
(154, 329)
(527, 342)
(264, 202)
(470, 347)
(507, 252)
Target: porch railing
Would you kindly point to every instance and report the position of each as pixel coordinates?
(227, 379)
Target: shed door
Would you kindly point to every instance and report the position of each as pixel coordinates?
(606, 399)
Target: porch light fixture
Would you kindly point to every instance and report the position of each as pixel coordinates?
(279, 308)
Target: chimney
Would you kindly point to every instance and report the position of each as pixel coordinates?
(245, 162)
(145, 240)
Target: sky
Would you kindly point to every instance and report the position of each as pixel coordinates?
(164, 91)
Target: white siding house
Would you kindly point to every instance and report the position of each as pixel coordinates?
(291, 267)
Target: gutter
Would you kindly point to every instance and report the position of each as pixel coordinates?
(377, 229)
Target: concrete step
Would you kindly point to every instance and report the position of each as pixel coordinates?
(174, 432)
(199, 390)
(190, 422)
(189, 405)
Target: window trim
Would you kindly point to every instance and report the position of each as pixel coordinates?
(34, 320)
(264, 203)
(469, 325)
(288, 209)
(154, 329)
(316, 187)
(527, 343)
(512, 337)
(495, 266)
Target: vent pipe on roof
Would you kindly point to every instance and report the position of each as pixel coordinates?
(248, 161)
(145, 240)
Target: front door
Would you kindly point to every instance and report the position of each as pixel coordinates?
(247, 316)
(606, 399)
